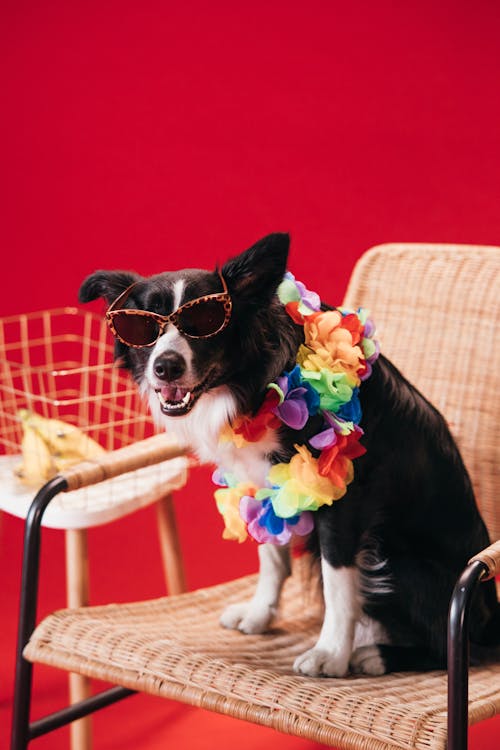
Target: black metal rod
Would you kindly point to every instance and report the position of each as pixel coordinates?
(458, 655)
(27, 610)
(77, 711)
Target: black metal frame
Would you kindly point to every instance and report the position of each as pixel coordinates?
(458, 654)
(23, 731)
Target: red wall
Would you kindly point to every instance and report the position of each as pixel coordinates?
(157, 135)
(152, 135)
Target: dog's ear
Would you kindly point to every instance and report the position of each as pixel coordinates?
(255, 275)
(107, 284)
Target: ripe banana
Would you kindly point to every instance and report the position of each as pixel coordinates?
(49, 446)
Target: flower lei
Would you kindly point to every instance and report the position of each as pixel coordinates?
(337, 355)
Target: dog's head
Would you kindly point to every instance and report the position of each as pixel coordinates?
(212, 332)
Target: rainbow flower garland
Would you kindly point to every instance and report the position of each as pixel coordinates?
(337, 355)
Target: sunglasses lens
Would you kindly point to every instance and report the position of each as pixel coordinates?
(203, 319)
(137, 330)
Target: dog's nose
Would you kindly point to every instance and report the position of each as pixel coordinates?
(169, 366)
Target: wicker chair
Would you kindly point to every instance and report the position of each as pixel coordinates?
(437, 309)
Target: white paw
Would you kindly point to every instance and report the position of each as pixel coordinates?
(367, 660)
(248, 617)
(318, 662)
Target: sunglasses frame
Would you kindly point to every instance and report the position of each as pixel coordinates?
(163, 320)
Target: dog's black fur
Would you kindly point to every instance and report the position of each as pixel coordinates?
(409, 521)
(411, 505)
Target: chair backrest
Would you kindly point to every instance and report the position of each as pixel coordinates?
(437, 311)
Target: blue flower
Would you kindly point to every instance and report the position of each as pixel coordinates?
(266, 527)
(351, 411)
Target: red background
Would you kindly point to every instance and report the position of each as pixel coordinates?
(158, 135)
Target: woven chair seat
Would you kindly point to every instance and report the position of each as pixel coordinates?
(174, 647)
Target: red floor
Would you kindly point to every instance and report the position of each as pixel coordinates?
(152, 135)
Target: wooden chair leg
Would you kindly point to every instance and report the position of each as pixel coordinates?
(170, 545)
(77, 587)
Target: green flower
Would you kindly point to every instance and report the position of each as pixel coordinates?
(334, 388)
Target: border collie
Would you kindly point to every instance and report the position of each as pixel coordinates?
(393, 547)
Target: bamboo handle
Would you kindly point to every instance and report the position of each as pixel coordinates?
(146, 452)
(491, 558)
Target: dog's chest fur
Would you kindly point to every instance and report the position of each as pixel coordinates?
(201, 429)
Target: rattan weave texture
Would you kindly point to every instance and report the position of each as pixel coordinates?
(437, 309)
(177, 649)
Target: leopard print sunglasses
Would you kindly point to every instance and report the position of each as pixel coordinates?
(199, 318)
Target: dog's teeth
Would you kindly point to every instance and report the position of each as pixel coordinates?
(174, 405)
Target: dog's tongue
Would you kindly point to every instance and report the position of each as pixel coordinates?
(173, 392)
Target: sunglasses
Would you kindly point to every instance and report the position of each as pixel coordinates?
(199, 318)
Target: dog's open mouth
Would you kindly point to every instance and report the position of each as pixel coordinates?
(176, 400)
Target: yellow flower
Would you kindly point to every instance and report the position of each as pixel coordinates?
(304, 469)
(301, 487)
(228, 505)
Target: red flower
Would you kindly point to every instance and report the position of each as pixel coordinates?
(336, 462)
(353, 324)
(292, 309)
(252, 429)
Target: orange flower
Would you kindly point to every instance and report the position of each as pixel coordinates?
(329, 344)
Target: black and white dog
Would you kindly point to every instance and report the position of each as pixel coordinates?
(391, 550)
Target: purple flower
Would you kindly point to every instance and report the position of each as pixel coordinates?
(369, 328)
(333, 426)
(310, 299)
(218, 478)
(300, 399)
(266, 527)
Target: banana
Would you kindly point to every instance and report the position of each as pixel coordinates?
(38, 465)
(50, 445)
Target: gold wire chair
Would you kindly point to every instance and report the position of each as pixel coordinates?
(56, 373)
(437, 309)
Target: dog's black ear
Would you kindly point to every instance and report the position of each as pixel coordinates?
(107, 284)
(255, 275)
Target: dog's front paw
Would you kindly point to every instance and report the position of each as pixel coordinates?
(318, 662)
(248, 617)
(368, 660)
